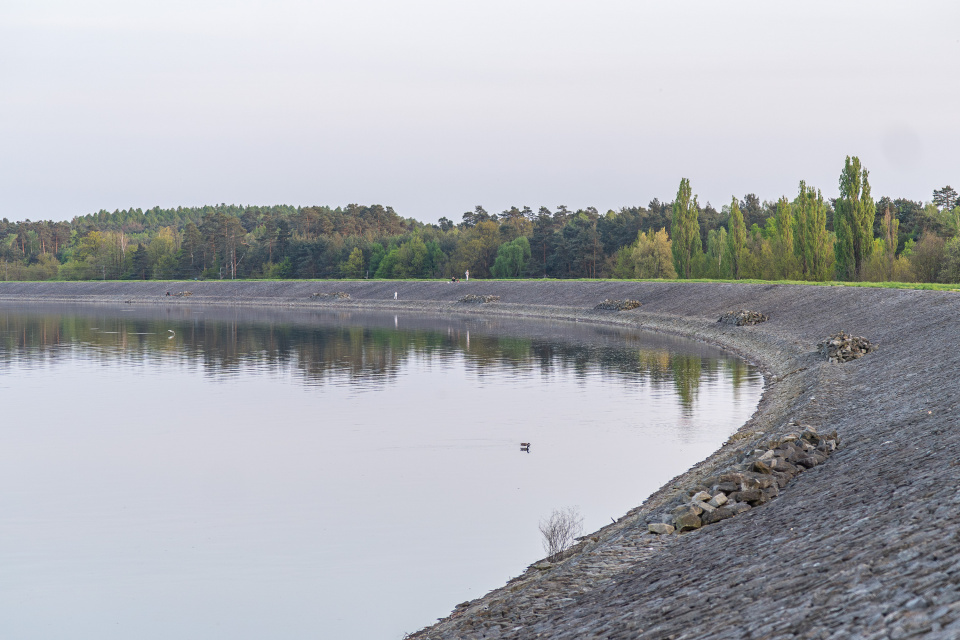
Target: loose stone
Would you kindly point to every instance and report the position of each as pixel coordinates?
(687, 522)
(660, 528)
(718, 500)
(719, 514)
(760, 467)
(690, 507)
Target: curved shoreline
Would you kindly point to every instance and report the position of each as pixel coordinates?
(861, 546)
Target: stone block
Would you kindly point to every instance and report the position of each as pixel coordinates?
(706, 506)
(783, 479)
(660, 528)
(718, 500)
(755, 481)
(719, 514)
(686, 509)
(732, 477)
(759, 466)
(748, 495)
(687, 522)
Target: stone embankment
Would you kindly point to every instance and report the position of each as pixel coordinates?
(863, 544)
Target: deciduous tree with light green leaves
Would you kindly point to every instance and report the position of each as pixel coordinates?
(512, 258)
(853, 219)
(685, 230)
(737, 239)
(649, 257)
(717, 263)
(353, 267)
(811, 240)
(785, 261)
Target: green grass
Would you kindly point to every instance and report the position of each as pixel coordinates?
(926, 286)
(931, 286)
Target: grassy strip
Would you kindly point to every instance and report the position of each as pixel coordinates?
(923, 286)
(926, 286)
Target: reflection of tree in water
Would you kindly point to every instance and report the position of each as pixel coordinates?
(687, 374)
(335, 350)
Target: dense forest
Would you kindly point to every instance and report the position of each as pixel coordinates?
(852, 237)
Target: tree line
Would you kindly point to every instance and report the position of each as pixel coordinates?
(801, 237)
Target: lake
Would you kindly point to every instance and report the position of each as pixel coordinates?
(191, 472)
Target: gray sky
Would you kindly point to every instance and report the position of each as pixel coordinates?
(433, 107)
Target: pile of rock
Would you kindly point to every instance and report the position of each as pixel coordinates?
(743, 317)
(338, 295)
(844, 347)
(758, 480)
(617, 305)
(474, 299)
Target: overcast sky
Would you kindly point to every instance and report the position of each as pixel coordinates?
(433, 107)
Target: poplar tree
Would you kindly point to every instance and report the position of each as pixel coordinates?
(784, 254)
(802, 245)
(685, 230)
(853, 220)
(737, 238)
(810, 239)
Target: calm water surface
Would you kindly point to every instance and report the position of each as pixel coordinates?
(208, 473)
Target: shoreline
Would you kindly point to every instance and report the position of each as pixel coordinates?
(862, 544)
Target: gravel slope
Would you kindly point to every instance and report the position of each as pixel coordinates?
(863, 546)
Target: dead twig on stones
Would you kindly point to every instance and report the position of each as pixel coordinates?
(560, 530)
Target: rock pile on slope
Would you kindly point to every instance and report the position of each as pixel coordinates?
(617, 305)
(844, 347)
(757, 480)
(474, 299)
(338, 295)
(743, 317)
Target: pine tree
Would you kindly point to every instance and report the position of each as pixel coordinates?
(945, 198)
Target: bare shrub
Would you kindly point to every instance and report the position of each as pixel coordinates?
(560, 531)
